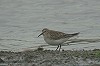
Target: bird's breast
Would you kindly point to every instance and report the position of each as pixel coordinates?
(55, 42)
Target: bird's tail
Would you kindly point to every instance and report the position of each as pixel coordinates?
(75, 34)
(72, 35)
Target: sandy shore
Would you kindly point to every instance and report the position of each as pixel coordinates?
(41, 57)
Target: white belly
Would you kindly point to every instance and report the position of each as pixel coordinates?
(55, 42)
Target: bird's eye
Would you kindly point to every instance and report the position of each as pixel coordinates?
(44, 31)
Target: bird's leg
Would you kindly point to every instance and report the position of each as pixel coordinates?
(57, 47)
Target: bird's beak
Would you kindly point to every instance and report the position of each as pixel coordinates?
(41, 34)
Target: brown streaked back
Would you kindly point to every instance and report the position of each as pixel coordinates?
(55, 35)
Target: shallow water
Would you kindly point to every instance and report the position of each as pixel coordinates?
(21, 21)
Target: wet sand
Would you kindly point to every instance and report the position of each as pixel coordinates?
(41, 57)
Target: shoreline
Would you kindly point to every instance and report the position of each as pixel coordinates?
(41, 57)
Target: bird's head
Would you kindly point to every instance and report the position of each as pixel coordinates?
(43, 31)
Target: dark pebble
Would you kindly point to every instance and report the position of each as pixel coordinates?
(1, 61)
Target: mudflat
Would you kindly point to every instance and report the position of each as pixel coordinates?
(41, 57)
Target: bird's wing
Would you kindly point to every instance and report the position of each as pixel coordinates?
(56, 35)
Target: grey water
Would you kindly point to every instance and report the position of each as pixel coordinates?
(21, 21)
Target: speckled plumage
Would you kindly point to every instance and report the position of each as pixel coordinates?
(56, 35)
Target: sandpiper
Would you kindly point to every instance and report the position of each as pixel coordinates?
(56, 37)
